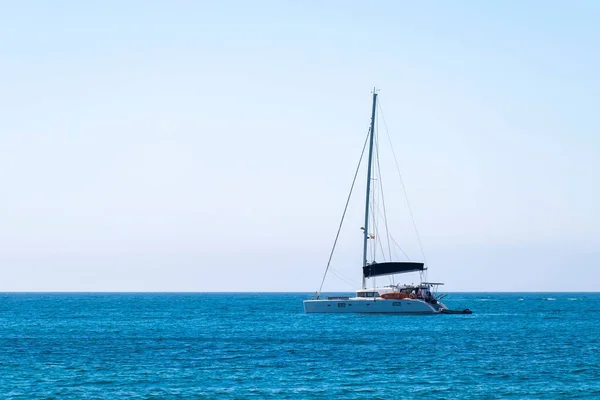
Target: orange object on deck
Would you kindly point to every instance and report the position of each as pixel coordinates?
(394, 296)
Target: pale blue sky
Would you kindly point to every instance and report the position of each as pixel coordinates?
(184, 145)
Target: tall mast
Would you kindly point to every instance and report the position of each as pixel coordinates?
(366, 225)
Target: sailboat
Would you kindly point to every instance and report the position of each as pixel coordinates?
(419, 298)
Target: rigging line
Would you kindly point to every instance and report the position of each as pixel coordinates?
(402, 182)
(375, 210)
(387, 231)
(370, 255)
(350, 283)
(395, 252)
(342, 275)
(344, 213)
(376, 230)
(374, 206)
(396, 243)
(346, 280)
(372, 214)
(373, 225)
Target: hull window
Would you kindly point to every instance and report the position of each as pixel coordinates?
(341, 304)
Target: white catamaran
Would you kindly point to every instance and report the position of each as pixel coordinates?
(421, 298)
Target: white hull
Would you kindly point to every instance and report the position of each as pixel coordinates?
(378, 305)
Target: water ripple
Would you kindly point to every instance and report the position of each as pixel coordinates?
(163, 346)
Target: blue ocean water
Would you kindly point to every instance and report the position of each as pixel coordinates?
(256, 345)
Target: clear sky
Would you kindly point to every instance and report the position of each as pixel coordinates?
(209, 146)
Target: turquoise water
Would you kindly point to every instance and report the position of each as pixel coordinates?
(536, 345)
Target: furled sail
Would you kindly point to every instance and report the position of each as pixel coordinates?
(389, 268)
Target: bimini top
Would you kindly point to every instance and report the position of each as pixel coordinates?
(389, 268)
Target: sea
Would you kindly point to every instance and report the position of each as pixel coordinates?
(263, 345)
